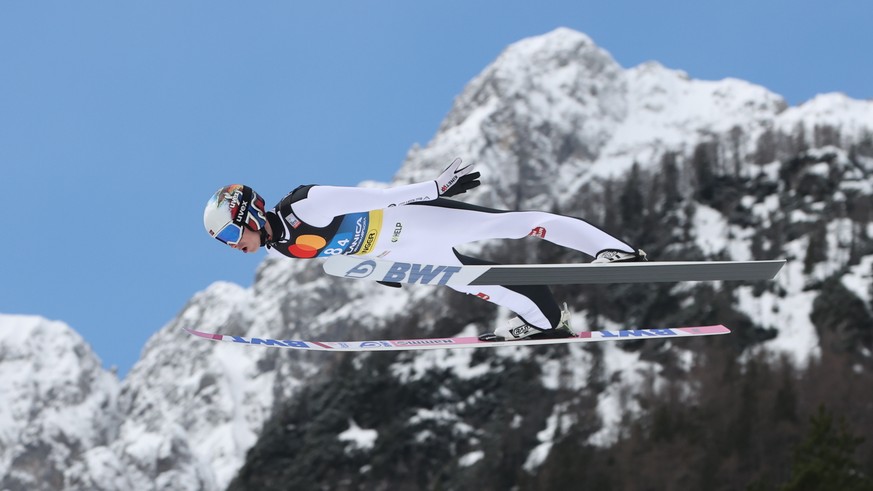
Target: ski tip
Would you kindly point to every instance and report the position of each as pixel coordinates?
(205, 335)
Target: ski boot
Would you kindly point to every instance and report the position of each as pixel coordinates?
(616, 256)
(517, 329)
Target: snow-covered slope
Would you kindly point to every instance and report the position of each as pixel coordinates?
(58, 408)
(549, 120)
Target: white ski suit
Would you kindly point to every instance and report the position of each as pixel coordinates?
(411, 223)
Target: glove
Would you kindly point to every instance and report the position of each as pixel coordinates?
(456, 179)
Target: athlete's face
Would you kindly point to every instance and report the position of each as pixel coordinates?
(250, 241)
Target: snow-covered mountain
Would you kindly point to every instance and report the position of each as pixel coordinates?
(559, 109)
(554, 123)
(59, 408)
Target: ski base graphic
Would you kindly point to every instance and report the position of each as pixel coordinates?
(460, 342)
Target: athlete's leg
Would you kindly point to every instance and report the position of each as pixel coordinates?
(427, 235)
(534, 304)
(469, 223)
(428, 232)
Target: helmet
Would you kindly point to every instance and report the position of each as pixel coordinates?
(231, 208)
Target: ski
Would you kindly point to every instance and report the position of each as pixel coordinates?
(460, 342)
(550, 274)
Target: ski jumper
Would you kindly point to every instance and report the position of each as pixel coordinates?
(411, 223)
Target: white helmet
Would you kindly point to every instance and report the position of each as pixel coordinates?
(230, 209)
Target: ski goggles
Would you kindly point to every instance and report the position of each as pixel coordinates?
(230, 234)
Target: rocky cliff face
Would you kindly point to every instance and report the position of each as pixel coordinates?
(686, 169)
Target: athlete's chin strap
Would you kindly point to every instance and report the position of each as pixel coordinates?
(276, 226)
(264, 237)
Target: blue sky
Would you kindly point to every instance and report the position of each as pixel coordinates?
(118, 119)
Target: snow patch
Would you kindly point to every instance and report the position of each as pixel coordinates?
(358, 438)
(471, 458)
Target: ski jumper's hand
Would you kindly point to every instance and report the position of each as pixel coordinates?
(456, 179)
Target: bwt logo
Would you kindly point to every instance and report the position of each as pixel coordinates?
(362, 270)
(425, 274)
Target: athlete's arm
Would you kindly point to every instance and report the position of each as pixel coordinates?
(323, 203)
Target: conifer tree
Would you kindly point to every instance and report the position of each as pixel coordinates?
(824, 461)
